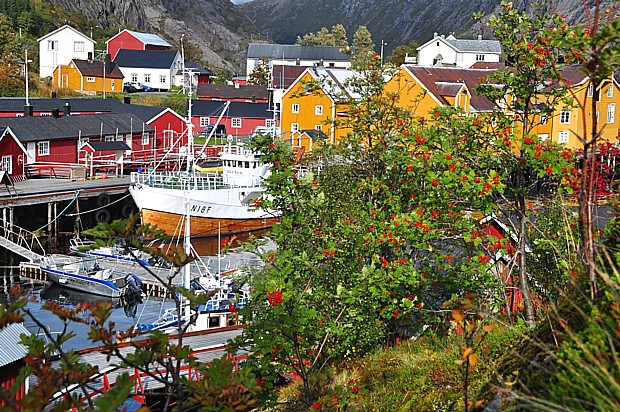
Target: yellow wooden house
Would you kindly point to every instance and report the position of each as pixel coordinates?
(89, 76)
(317, 101)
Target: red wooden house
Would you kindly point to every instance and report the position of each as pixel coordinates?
(239, 118)
(133, 40)
(12, 154)
(12, 359)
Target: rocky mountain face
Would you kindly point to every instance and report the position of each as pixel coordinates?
(217, 27)
(393, 21)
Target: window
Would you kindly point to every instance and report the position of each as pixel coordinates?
(610, 91)
(543, 136)
(90, 79)
(479, 57)
(204, 121)
(162, 78)
(7, 164)
(147, 78)
(295, 108)
(109, 138)
(563, 137)
(235, 122)
(294, 127)
(590, 90)
(543, 119)
(145, 139)
(564, 116)
(318, 110)
(78, 46)
(611, 113)
(43, 148)
(318, 127)
(52, 45)
(270, 123)
(44, 114)
(134, 77)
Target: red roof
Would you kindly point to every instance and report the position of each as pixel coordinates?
(444, 81)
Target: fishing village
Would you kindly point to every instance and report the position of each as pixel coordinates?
(214, 216)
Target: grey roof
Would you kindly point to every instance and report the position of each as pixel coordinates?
(78, 104)
(144, 113)
(98, 146)
(197, 69)
(236, 109)
(484, 46)
(149, 38)
(150, 59)
(31, 129)
(293, 52)
(12, 350)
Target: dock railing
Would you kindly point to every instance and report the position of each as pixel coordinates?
(21, 241)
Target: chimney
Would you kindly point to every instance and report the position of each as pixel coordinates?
(236, 83)
(53, 94)
(127, 100)
(56, 112)
(66, 109)
(108, 64)
(480, 37)
(434, 35)
(28, 110)
(90, 57)
(253, 98)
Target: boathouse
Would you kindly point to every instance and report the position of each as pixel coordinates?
(133, 40)
(12, 153)
(12, 359)
(240, 118)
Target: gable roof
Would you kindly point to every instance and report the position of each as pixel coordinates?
(44, 104)
(445, 81)
(466, 45)
(114, 145)
(334, 82)
(293, 52)
(146, 38)
(4, 131)
(146, 114)
(94, 68)
(226, 92)
(151, 59)
(12, 349)
(65, 27)
(31, 129)
(212, 108)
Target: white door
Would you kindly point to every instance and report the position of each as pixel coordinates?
(32, 152)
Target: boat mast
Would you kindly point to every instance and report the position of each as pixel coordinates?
(190, 126)
(190, 155)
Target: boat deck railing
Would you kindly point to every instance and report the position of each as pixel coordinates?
(190, 181)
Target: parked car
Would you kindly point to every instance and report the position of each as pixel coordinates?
(130, 87)
(220, 130)
(144, 88)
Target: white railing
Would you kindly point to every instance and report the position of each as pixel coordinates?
(21, 237)
(191, 181)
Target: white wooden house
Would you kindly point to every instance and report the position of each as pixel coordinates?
(61, 46)
(464, 53)
(155, 68)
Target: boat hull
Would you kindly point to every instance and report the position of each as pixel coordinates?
(171, 223)
(83, 283)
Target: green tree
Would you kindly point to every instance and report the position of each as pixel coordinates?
(261, 74)
(531, 91)
(363, 49)
(340, 35)
(400, 52)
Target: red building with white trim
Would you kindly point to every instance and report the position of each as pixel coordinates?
(12, 359)
(133, 40)
(12, 155)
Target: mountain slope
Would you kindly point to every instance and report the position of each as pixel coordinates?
(217, 27)
(394, 21)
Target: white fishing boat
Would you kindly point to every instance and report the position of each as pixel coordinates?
(84, 273)
(222, 202)
(115, 253)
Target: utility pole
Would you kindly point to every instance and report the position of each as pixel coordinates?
(183, 62)
(382, 44)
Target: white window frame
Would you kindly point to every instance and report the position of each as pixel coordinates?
(479, 57)
(162, 78)
(270, 123)
(52, 45)
(235, 122)
(318, 110)
(294, 127)
(147, 78)
(78, 46)
(43, 148)
(134, 77)
(204, 121)
(7, 164)
(543, 136)
(565, 116)
(590, 90)
(611, 113)
(108, 138)
(318, 127)
(295, 108)
(563, 137)
(610, 91)
(145, 139)
(543, 119)
(90, 79)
